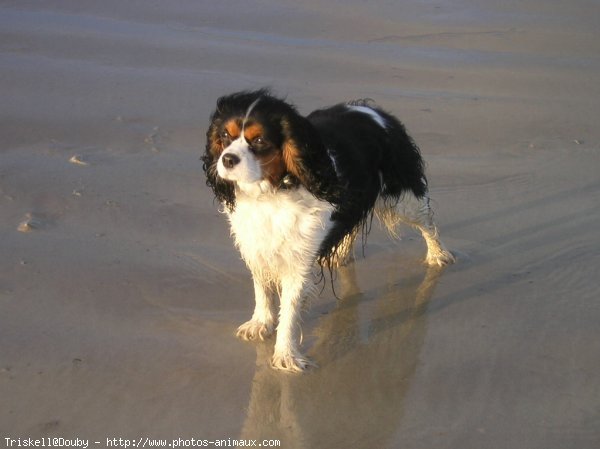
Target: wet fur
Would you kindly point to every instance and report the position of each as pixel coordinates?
(305, 192)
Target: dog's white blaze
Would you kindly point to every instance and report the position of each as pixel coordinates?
(248, 112)
(371, 113)
(247, 171)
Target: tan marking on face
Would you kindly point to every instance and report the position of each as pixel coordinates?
(291, 158)
(291, 152)
(253, 131)
(273, 167)
(233, 127)
(271, 163)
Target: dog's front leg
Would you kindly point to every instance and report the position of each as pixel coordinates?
(287, 355)
(262, 323)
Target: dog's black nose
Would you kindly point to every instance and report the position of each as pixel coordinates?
(230, 160)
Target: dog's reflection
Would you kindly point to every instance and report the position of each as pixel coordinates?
(365, 367)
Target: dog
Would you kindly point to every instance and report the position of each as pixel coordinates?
(300, 189)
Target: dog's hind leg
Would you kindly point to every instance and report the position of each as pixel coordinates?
(344, 253)
(416, 212)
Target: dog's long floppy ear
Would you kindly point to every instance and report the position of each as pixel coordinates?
(224, 190)
(306, 158)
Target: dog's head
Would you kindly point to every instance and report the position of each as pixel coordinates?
(258, 142)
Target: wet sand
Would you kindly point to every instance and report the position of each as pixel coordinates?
(120, 290)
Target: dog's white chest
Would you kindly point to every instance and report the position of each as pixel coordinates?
(277, 231)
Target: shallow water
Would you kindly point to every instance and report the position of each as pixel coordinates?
(118, 306)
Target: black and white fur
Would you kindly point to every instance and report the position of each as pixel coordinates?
(298, 189)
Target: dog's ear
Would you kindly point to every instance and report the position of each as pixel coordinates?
(306, 158)
(224, 190)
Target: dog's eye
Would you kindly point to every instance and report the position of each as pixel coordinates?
(225, 138)
(258, 144)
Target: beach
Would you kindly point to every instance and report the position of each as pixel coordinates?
(121, 289)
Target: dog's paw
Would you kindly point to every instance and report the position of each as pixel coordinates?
(440, 258)
(255, 330)
(292, 362)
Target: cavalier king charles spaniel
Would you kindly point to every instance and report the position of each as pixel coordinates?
(298, 189)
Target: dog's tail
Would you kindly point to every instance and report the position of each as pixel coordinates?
(402, 168)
